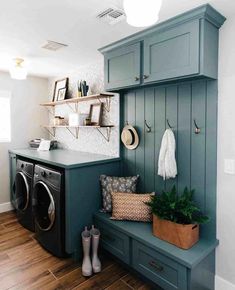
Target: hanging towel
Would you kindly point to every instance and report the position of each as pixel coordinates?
(167, 167)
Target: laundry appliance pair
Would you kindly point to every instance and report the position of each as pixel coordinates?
(38, 197)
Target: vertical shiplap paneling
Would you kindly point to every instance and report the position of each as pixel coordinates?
(131, 113)
(184, 136)
(160, 117)
(211, 154)
(198, 142)
(123, 148)
(196, 153)
(140, 103)
(172, 117)
(149, 141)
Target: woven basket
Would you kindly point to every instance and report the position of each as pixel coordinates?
(182, 236)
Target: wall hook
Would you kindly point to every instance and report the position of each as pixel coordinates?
(169, 124)
(197, 129)
(148, 128)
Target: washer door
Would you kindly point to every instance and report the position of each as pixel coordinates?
(44, 207)
(21, 192)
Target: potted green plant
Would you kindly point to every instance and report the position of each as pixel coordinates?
(176, 218)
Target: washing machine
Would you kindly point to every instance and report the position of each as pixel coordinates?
(22, 193)
(49, 209)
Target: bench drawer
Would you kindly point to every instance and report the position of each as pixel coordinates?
(161, 270)
(114, 242)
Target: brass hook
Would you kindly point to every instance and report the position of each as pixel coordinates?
(197, 129)
(148, 128)
(169, 124)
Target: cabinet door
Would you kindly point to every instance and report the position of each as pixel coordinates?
(12, 166)
(173, 53)
(122, 67)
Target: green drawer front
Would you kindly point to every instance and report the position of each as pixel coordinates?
(161, 270)
(115, 242)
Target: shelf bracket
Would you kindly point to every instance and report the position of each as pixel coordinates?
(108, 133)
(51, 133)
(75, 108)
(107, 103)
(75, 135)
(50, 111)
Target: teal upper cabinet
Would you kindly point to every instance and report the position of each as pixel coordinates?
(122, 67)
(173, 53)
(185, 46)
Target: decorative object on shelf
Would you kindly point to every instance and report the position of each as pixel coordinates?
(58, 121)
(111, 184)
(87, 121)
(18, 71)
(95, 114)
(82, 119)
(60, 84)
(123, 202)
(142, 13)
(73, 120)
(83, 88)
(176, 218)
(130, 137)
(61, 94)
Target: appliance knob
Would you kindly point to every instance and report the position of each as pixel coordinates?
(22, 165)
(43, 173)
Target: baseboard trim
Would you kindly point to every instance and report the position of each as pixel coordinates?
(221, 284)
(5, 207)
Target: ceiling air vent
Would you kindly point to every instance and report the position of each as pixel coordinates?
(53, 45)
(111, 15)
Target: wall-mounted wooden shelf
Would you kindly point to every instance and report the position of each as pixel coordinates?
(106, 96)
(74, 130)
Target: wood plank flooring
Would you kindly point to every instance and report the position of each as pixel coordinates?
(24, 264)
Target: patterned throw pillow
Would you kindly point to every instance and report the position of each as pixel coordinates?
(131, 207)
(111, 184)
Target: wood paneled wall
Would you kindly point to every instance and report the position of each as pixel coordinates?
(180, 104)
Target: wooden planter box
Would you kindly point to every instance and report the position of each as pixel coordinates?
(182, 236)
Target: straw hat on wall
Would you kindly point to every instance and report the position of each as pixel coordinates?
(130, 137)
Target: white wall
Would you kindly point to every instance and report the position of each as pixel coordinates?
(26, 117)
(225, 263)
(89, 139)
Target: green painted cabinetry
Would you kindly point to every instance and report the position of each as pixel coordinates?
(185, 46)
(122, 67)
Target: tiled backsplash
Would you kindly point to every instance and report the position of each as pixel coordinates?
(89, 139)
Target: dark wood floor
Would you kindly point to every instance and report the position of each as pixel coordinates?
(24, 264)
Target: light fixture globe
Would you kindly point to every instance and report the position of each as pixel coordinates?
(17, 71)
(141, 13)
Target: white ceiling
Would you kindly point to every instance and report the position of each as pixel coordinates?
(26, 25)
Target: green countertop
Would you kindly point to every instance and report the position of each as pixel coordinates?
(143, 233)
(64, 158)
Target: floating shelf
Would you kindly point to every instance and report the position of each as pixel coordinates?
(74, 130)
(75, 101)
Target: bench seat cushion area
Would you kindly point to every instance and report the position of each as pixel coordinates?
(164, 264)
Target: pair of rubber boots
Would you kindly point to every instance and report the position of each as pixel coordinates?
(88, 238)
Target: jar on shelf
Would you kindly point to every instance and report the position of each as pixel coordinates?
(58, 121)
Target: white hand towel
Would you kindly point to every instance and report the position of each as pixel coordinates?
(167, 167)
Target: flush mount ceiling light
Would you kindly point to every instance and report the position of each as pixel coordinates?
(141, 13)
(18, 71)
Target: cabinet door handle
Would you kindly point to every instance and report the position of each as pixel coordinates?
(137, 79)
(145, 77)
(156, 266)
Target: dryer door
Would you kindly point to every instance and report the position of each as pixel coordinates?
(21, 192)
(44, 207)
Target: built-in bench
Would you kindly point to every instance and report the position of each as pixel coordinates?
(164, 264)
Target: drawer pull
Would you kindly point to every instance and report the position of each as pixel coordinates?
(106, 237)
(145, 77)
(137, 79)
(156, 266)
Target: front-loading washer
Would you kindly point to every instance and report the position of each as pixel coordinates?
(22, 194)
(49, 209)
